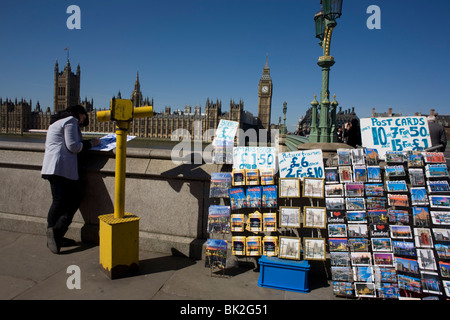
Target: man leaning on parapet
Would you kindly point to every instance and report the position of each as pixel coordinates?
(438, 135)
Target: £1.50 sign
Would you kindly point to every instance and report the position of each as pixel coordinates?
(299, 164)
(395, 134)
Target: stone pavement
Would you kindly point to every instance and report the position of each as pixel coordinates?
(29, 271)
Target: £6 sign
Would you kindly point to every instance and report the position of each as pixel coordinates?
(395, 134)
(299, 164)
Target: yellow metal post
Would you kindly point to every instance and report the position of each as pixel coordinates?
(119, 232)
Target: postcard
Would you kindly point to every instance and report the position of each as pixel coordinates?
(374, 174)
(289, 248)
(360, 173)
(398, 216)
(408, 283)
(290, 217)
(269, 196)
(238, 245)
(356, 217)
(270, 246)
(385, 274)
(396, 186)
(359, 244)
(337, 230)
(334, 190)
(400, 232)
(338, 244)
(331, 175)
(440, 201)
(254, 197)
(371, 156)
(374, 189)
(422, 238)
(441, 235)
(438, 186)
(377, 216)
(446, 284)
(344, 157)
(313, 187)
(357, 230)
(218, 219)
(440, 217)
(400, 200)
(376, 203)
(419, 196)
(289, 188)
(406, 265)
(254, 222)
(431, 283)
(237, 222)
(358, 156)
(269, 221)
(238, 199)
(436, 170)
(414, 160)
(220, 184)
(426, 260)
(354, 189)
(433, 157)
(216, 253)
(382, 244)
(387, 290)
(383, 259)
(253, 246)
(363, 273)
(345, 174)
(403, 248)
(355, 204)
(335, 204)
(314, 249)
(442, 250)
(339, 259)
(416, 177)
(335, 217)
(252, 177)
(238, 177)
(379, 230)
(361, 258)
(314, 217)
(444, 268)
(395, 156)
(421, 216)
(394, 171)
(344, 289)
(267, 177)
(341, 274)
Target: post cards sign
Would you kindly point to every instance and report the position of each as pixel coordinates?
(395, 134)
(299, 164)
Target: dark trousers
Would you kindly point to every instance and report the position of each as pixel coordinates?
(66, 196)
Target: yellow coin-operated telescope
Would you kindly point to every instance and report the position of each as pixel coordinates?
(119, 232)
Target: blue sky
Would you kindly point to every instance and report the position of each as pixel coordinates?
(191, 50)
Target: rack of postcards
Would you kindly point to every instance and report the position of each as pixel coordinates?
(389, 224)
(263, 211)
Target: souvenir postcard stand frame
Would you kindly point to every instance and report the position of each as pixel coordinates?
(403, 251)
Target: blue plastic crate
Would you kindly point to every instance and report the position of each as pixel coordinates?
(283, 274)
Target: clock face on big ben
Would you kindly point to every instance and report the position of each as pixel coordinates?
(265, 89)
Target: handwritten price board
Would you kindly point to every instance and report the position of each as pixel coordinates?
(299, 164)
(395, 134)
(254, 158)
(226, 130)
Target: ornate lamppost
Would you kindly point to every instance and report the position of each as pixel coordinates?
(325, 22)
(284, 130)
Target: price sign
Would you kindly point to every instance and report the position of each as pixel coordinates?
(395, 134)
(254, 158)
(299, 164)
(226, 130)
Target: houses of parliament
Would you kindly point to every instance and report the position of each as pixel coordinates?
(18, 116)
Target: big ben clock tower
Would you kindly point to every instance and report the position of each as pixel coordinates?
(265, 98)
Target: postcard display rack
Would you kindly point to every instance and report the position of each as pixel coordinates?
(389, 224)
(263, 214)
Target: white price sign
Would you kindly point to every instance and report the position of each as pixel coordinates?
(254, 158)
(298, 164)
